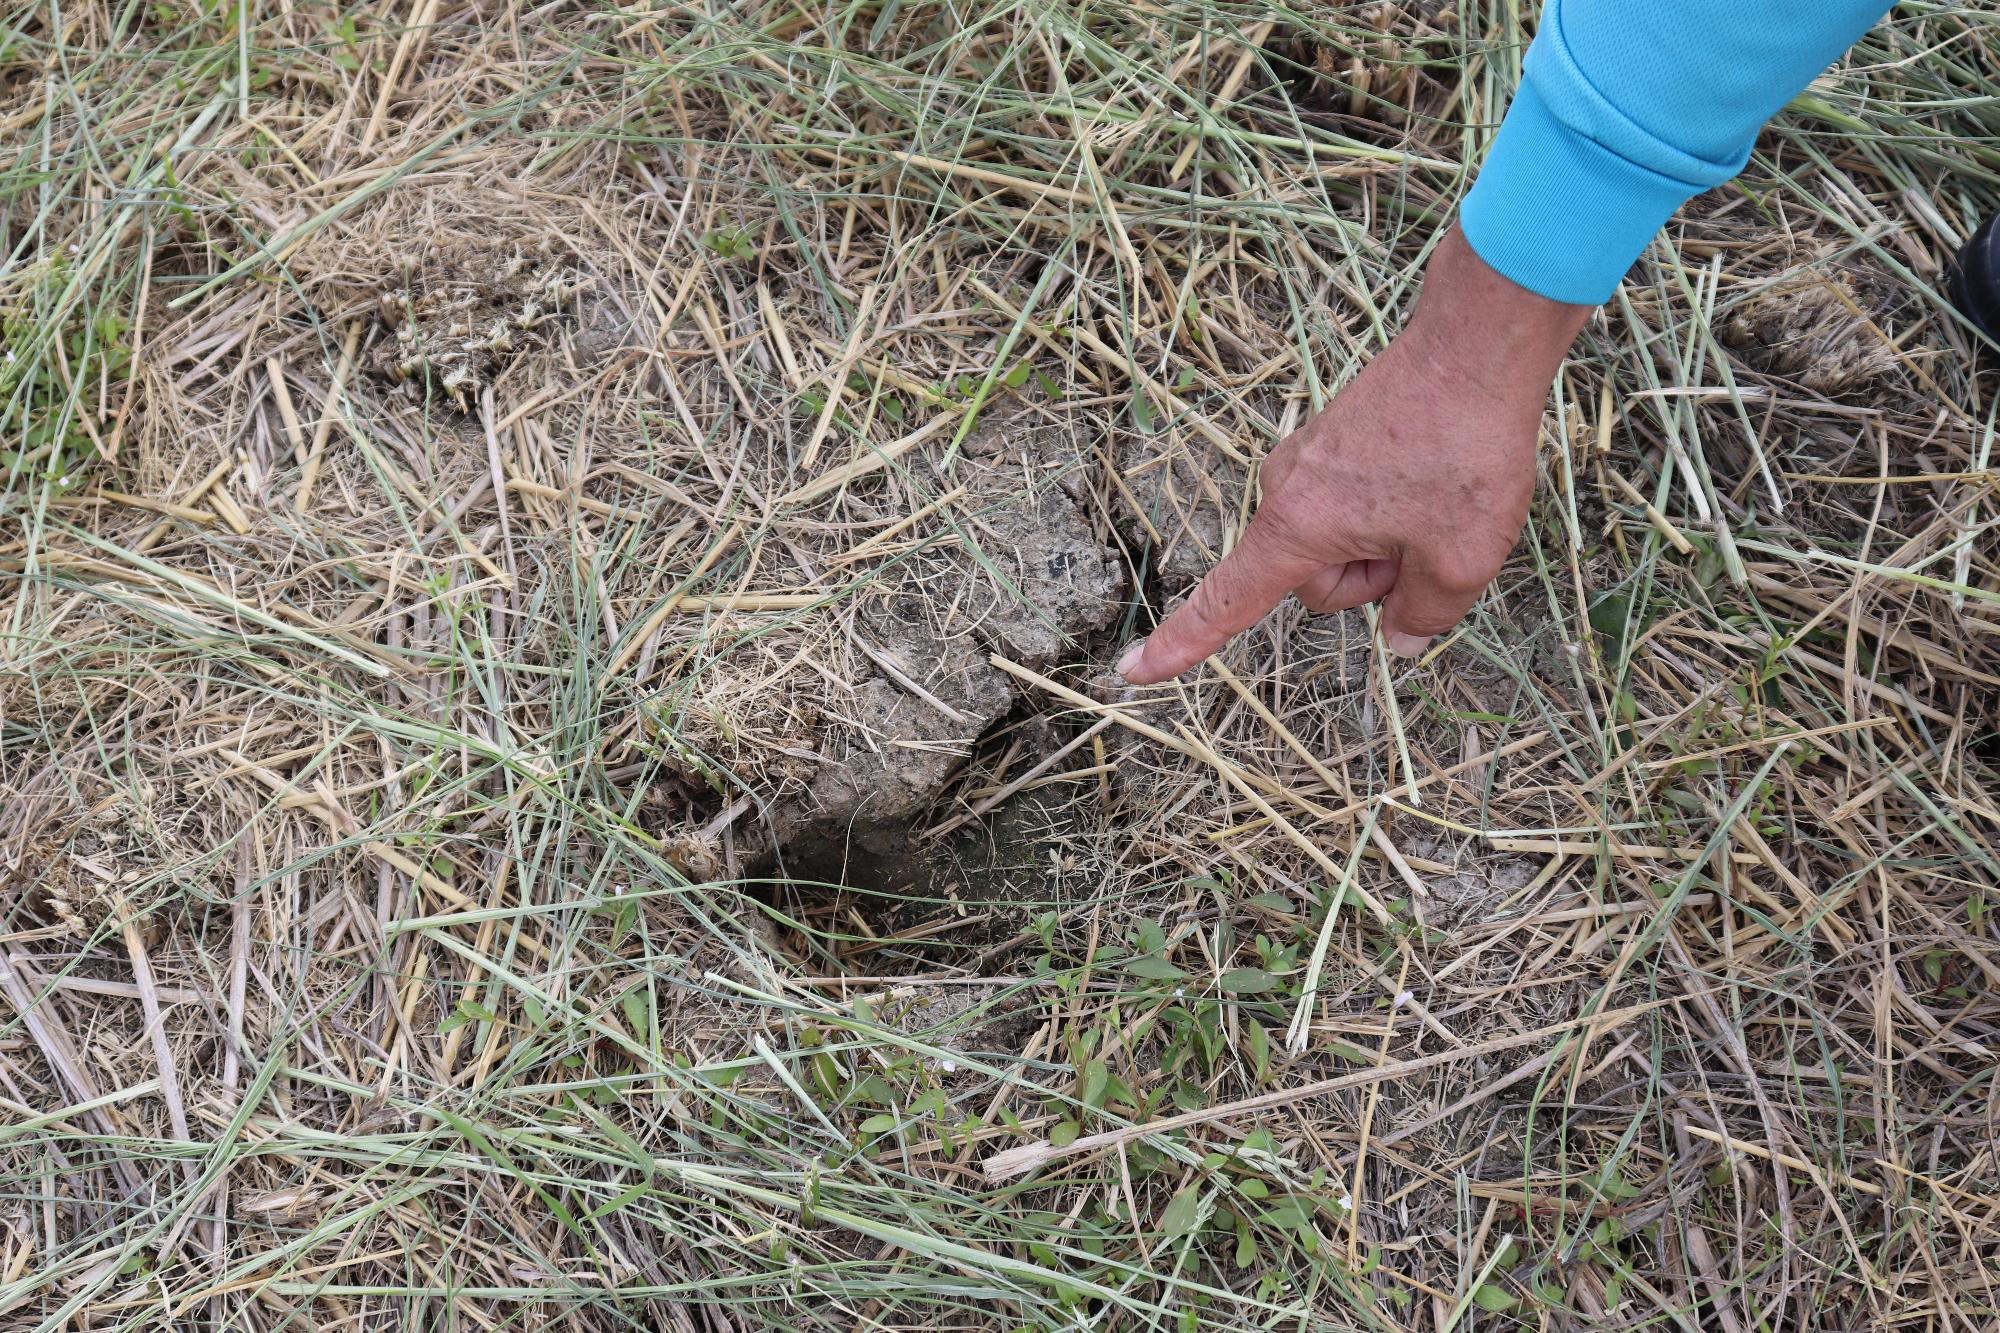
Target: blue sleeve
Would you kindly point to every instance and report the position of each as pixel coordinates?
(1627, 109)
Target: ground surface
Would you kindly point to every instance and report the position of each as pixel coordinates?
(557, 765)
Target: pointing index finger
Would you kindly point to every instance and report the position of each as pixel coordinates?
(1236, 594)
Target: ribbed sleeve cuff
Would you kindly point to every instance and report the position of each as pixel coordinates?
(1559, 213)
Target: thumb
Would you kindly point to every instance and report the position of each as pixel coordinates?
(1246, 583)
(1425, 603)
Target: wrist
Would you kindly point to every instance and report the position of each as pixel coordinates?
(1473, 323)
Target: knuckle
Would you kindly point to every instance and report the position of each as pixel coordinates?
(1196, 618)
(1283, 527)
(1463, 588)
(1219, 602)
(1290, 451)
(1462, 576)
(1198, 615)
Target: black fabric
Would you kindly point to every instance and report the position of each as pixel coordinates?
(1974, 281)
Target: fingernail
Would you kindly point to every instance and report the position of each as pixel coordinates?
(1131, 657)
(1409, 645)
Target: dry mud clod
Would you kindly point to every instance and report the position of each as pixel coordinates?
(1025, 575)
(459, 311)
(1815, 326)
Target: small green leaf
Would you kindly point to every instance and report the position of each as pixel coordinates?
(1291, 1213)
(1247, 981)
(1096, 1075)
(1182, 1213)
(1154, 968)
(730, 243)
(1260, 1053)
(878, 1124)
(637, 1017)
(1610, 614)
(1246, 1243)
(466, 1011)
(1496, 1299)
(826, 1071)
(1616, 1188)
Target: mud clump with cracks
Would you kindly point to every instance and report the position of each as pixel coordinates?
(831, 780)
(463, 310)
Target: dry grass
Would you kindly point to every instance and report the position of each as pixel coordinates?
(558, 770)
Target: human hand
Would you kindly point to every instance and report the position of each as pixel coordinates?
(1409, 488)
